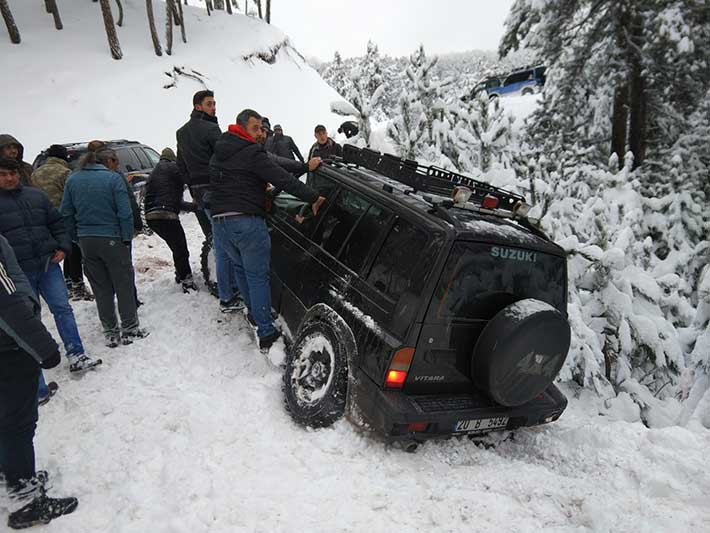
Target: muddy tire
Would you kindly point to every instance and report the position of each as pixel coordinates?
(316, 375)
(520, 352)
(208, 267)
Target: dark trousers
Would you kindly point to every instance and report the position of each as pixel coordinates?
(198, 194)
(172, 233)
(107, 262)
(72, 265)
(18, 420)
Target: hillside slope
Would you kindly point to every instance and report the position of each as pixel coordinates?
(65, 87)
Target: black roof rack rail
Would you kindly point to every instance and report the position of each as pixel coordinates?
(427, 179)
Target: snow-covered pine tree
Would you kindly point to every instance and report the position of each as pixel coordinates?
(408, 127)
(484, 133)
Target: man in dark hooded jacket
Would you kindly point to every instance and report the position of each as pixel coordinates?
(240, 172)
(163, 203)
(324, 147)
(25, 347)
(11, 148)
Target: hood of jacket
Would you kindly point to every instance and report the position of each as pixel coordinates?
(233, 142)
(6, 138)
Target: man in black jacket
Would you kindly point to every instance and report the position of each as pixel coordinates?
(163, 203)
(35, 230)
(240, 172)
(25, 346)
(324, 147)
(195, 145)
(282, 145)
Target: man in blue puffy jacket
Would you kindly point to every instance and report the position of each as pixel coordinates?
(97, 211)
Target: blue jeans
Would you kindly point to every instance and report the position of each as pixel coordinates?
(50, 285)
(246, 241)
(225, 269)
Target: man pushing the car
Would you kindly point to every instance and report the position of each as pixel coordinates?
(240, 171)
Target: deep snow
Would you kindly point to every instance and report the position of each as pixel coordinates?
(186, 431)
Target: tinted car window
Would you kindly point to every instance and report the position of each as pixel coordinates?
(142, 158)
(366, 233)
(127, 160)
(492, 83)
(339, 220)
(399, 267)
(518, 77)
(481, 279)
(298, 213)
(153, 156)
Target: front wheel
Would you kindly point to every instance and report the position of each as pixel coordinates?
(316, 376)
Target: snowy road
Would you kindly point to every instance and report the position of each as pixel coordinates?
(185, 432)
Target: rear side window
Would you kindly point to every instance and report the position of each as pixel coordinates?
(401, 265)
(153, 156)
(142, 158)
(368, 230)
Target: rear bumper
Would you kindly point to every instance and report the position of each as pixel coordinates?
(391, 412)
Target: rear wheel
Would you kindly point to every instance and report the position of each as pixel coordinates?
(520, 352)
(527, 91)
(316, 376)
(208, 266)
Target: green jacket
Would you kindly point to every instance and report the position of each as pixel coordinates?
(51, 178)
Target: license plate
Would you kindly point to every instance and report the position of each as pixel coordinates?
(482, 424)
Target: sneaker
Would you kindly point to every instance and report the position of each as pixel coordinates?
(41, 510)
(113, 340)
(188, 285)
(81, 293)
(52, 389)
(133, 333)
(268, 341)
(234, 305)
(82, 363)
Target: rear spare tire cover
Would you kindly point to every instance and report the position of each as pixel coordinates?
(520, 352)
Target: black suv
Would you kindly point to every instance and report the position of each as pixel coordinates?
(419, 302)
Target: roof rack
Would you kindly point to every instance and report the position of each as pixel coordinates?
(427, 179)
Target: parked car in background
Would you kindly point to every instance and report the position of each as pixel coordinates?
(525, 81)
(136, 161)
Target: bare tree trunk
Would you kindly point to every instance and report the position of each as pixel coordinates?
(620, 110)
(637, 94)
(268, 11)
(153, 31)
(258, 7)
(54, 10)
(120, 13)
(208, 5)
(9, 22)
(229, 6)
(182, 22)
(169, 6)
(111, 34)
(46, 6)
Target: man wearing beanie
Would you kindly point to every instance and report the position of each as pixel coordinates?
(163, 203)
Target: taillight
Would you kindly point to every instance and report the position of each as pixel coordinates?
(397, 371)
(490, 202)
(418, 427)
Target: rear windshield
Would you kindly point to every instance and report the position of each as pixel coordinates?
(481, 279)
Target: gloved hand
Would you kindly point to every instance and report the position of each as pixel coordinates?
(51, 361)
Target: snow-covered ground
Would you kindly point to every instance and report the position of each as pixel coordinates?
(63, 86)
(185, 431)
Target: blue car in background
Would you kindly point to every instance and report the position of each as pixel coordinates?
(519, 82)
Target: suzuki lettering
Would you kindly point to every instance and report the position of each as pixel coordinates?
(512, 253)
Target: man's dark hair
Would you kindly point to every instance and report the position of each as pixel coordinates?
(244, 116)
(9, 164)
(319, 128)
(200, 97)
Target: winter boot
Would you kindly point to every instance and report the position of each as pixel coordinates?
(52, 389)
(113, 340)
(82, 363)
(234, 305)
(80, 292)
(70, 288)
(41, 510)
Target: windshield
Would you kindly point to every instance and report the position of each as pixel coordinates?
(481, 279)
